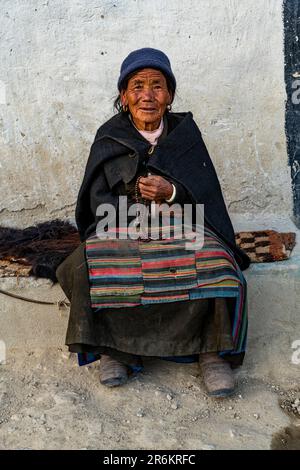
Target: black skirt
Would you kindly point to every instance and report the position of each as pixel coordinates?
(157, 330)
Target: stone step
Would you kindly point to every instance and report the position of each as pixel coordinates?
(27, 325)
(273, 309)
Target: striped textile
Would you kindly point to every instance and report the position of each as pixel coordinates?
(126, 273)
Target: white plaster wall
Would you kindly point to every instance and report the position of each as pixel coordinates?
(59, 64)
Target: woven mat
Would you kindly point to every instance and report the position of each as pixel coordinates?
(12, 269)
(261, 246)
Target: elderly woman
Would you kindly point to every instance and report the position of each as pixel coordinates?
(145, 296)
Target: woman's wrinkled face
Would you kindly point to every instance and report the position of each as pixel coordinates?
(147, 97)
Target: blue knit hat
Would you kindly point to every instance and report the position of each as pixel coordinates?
(144, 58)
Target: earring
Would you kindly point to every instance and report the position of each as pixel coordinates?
(125, 108)
(169, 107)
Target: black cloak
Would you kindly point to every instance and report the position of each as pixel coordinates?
(181, 157)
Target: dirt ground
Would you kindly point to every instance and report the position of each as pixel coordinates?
(48, 402)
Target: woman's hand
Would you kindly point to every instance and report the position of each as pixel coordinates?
(155, 188)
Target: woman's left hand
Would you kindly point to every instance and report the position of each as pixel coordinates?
(155, 188)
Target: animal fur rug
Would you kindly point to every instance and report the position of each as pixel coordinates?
(38, 250)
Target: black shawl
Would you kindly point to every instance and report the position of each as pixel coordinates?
(181, 156)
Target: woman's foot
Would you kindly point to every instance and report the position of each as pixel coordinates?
(217, 374)
(112, 372)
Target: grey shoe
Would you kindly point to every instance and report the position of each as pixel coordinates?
(112, 372)
(217, 375)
